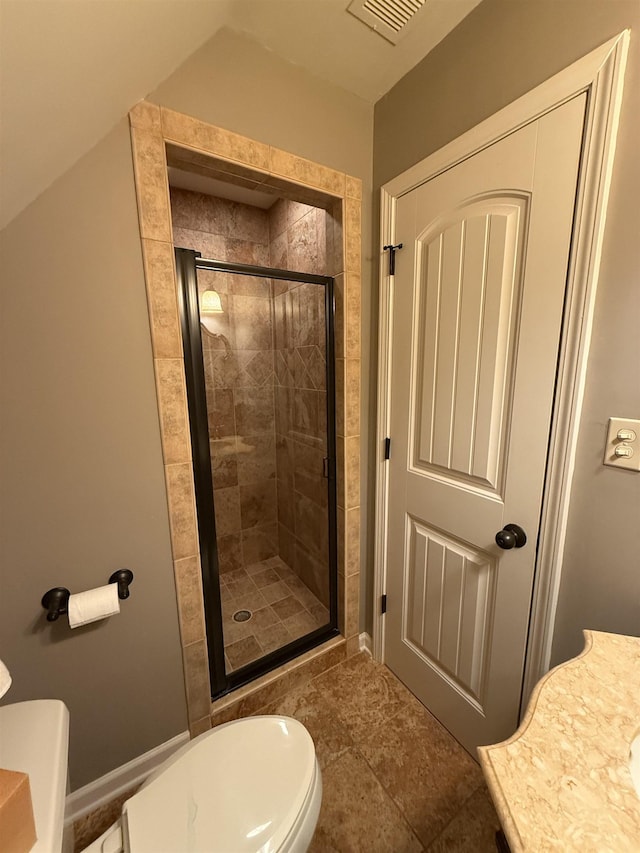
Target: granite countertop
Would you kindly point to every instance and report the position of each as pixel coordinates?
(562, 781)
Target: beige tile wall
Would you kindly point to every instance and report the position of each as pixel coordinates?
(237, 349)
(154, 130)
(297, 235)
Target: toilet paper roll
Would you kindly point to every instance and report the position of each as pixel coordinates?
(94, 604)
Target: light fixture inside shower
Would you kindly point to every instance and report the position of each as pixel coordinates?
(210, 302)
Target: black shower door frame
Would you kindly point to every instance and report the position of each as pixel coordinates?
(188, 262)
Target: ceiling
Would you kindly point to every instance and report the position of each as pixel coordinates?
(221, 189)
(61, 59)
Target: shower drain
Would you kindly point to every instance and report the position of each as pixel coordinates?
(242, 616)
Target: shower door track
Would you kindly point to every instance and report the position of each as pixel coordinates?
(187, 264)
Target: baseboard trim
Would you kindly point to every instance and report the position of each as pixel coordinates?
(117, 781)
(366, 644)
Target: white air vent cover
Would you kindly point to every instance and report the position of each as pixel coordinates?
(389, 18)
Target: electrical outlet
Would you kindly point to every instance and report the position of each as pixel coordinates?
(622, 449)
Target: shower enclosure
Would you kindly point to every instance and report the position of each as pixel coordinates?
(259, 361)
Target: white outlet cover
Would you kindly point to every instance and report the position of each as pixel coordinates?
(632, 462)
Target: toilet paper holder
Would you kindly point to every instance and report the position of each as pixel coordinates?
(56, 601)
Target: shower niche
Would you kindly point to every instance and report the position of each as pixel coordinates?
(257, 314)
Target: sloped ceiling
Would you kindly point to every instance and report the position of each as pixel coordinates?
(70, 69)
(328, 41)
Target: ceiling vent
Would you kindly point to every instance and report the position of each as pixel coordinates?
(389, 18)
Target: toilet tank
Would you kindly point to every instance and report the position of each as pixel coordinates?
(34, 739)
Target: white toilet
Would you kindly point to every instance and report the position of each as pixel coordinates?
(250, 786)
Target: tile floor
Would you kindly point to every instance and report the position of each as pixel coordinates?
(394, 780)
(282, 609)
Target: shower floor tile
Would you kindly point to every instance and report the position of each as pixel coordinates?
(243, 651)
(282, 610)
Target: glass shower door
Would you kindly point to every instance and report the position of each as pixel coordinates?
(261, 405)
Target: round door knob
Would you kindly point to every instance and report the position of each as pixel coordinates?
(511, 536)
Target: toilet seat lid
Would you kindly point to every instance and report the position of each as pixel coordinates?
(240, 787)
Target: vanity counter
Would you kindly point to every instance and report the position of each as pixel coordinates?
(562, 781)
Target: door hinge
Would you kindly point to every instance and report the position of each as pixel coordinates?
(387, 448)
(383, 604)
(392, 256)
(326, 469)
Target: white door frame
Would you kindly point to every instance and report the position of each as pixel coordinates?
(600, 74)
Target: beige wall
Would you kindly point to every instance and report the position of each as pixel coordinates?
(83, 490)
(503, 49)
(82, 479)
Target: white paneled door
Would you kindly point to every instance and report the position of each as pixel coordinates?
(477, 315)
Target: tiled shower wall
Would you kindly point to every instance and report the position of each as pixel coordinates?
(298, 242)
(298, 237)
(238, 362)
